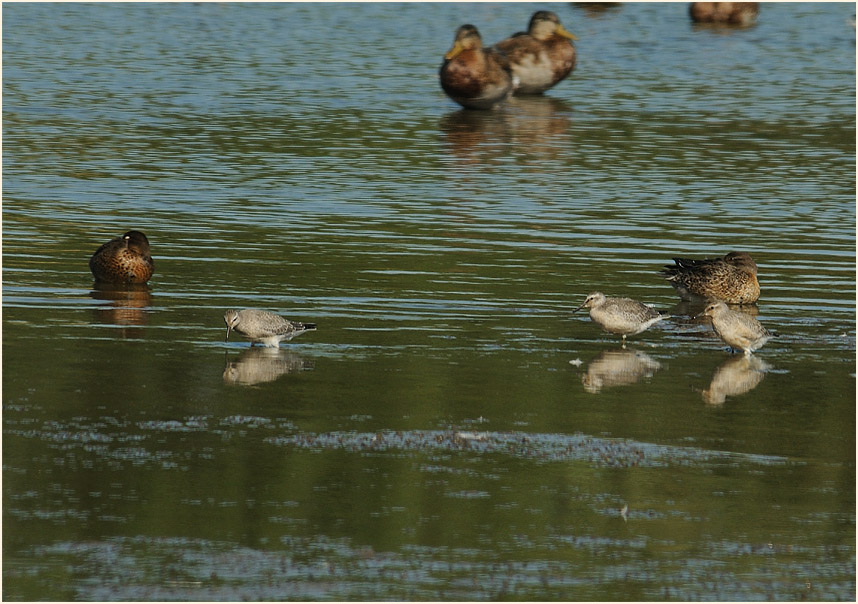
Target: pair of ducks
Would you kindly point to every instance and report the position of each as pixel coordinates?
(526, 63)
(731, 279)
(127, 261)
(532, 62)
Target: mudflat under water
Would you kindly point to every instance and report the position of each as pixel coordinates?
(452, 430)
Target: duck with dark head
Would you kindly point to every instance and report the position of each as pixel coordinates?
(123, 260)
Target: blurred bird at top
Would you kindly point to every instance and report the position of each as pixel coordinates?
(733, 13)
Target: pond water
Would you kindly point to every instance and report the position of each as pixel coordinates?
(452, 430)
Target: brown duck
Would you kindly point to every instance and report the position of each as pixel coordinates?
(732, 278)
(125, 259)
(475, 77)
(734, 13)
(542, 56)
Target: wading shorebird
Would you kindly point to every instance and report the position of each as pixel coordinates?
(542, 56)
(475, 77)
(125, 259)
(263, 326)
(622, 316)
(737, 329)
(732, 278)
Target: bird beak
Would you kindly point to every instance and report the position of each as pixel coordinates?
(228, 327)
(453, 52)
(566, 34)
(579, 308)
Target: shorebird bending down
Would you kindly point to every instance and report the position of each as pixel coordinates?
(263, 326)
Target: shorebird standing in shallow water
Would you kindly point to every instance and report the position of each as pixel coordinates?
(737, 329)
(622, 316)
(263, 326)
(732, 278)
(124, 259)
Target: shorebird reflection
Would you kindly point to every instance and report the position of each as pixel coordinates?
(618, 368)
(735, 376)
(259, 365)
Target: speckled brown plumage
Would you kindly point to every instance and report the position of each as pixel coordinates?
(542, 56)
(732, 278)
(125, 259)
(474, 77)
(734, 13)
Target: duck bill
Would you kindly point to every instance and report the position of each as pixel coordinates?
(566, 34)
(454, 52)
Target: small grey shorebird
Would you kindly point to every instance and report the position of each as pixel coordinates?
(737, 329)
(622, 316)
(264, 327)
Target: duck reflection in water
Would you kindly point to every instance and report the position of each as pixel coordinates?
(735, 376)
(618, 368)
(128, 305)
(258, 365)
(537, 125)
